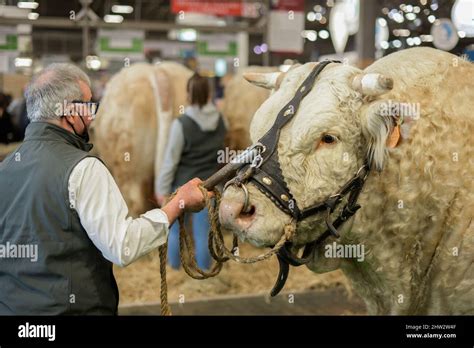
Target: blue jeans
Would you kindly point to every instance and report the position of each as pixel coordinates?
(200, 224)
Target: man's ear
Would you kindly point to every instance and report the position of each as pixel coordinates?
(380, 127)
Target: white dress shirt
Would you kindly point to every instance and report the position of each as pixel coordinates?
(103, 212)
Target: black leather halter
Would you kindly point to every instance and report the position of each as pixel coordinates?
(266, 174)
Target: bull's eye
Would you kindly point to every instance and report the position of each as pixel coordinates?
(328, 139)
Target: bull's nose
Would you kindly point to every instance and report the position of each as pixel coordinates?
(232, 217)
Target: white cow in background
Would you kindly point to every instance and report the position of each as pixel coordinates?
(132, 126)
(416, 221)
(241, 101)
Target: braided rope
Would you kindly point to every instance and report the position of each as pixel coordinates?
(165, 307)
(217, 248)
(218, 239)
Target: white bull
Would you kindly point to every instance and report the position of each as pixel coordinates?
(415, 228)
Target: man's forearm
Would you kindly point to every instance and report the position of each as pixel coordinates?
(172, 209)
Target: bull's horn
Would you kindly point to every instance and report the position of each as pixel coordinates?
(265, 80)
(372, 84)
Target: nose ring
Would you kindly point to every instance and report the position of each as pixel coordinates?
(246, 207)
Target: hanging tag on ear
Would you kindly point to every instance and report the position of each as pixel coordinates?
(394, 137)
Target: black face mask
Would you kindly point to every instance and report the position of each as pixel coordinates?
(85, 134)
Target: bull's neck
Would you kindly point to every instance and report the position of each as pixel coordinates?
(391, 277)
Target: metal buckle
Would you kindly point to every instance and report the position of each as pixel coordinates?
(257, 161)
(364, 167)
(258, 146)
(329, 224)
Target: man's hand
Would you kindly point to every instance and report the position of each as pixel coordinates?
(188, 198)
(191, 196)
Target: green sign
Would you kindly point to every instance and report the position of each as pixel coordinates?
(202, 48)
(10, 43)
(135, 47)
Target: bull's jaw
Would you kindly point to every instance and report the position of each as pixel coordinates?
(319, 262)
(308, 230)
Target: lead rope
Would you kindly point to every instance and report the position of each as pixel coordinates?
(165, 307)
(217, 248)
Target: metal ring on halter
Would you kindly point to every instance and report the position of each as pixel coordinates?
(245, 207)
(364, 167)
(257, 161)
(258, 146)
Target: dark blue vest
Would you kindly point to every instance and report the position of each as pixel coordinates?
(70, 275)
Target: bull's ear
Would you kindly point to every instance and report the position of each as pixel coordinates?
(380, 128)
(372, 84)
(265, 80)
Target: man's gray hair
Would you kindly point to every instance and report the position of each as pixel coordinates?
(51, 88)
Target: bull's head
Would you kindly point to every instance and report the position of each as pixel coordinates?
(337, 126)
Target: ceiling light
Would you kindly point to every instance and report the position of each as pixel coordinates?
(311, 35)
(426, 38)
(93, 62)
(33, 15)
(23, 62)
(323, 34)
(113, 18)
(31, 5)
(311, 16)
(122, 9)
(397, 43)
(398, 17)
(188, 35)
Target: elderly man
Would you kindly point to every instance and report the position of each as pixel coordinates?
(62, 202)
